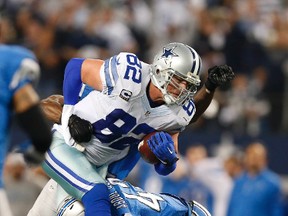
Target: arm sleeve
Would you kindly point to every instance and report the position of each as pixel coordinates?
(72, 81)
(35, 125)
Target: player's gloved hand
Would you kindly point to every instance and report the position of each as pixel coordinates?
(80, 129)
(219, 76)
(33, 157)
(162, 145)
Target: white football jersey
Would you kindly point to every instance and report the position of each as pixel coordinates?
(121, 114)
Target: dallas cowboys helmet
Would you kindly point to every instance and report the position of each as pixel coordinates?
(179, 61)
(70, 207)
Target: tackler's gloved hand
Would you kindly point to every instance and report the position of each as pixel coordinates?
(219, 76)
(80, 129)
(162, 145)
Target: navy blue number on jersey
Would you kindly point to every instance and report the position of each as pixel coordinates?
(118, 122)
(189, 107)
(133, 70)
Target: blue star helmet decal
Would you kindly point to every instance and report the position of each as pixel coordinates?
(168, 52)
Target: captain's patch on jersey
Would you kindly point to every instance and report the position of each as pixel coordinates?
(125, 94)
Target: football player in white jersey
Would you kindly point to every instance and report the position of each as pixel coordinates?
(109, 106)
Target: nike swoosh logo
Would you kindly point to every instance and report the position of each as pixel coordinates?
(171, 152)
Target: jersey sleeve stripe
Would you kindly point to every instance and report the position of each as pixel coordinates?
(107, 74)
(114, 69)
(111, 75)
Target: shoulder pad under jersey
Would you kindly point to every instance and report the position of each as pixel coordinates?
(28, 70)
(122, 72)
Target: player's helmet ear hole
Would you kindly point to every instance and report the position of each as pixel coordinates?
(157, 71)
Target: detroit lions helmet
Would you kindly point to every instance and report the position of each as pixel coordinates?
(70, 207)
(197, 209)
(180, 61)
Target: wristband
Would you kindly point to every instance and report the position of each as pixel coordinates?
(35, 125)
(163, 169)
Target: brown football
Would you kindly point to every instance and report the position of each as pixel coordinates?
(146, 152)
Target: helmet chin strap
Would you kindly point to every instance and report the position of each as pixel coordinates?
(167, 98)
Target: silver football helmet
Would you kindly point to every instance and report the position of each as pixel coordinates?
(176, 61)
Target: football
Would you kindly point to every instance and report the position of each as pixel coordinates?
(146, 152)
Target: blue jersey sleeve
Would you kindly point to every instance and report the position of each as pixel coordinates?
(72, 81)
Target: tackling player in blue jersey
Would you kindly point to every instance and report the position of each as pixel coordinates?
(121, 100)
(18, 71)
(125, 200)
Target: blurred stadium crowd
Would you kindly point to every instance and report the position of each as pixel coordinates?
(249, 35)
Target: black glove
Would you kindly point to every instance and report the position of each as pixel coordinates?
(219, 76)
(33, 157)
(80, 129)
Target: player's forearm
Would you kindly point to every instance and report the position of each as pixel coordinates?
(202, 100)
(34, 123)
(217, 76)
